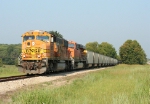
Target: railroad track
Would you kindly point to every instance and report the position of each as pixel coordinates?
(11, 78)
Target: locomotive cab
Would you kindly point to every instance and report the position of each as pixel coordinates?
(35, 46)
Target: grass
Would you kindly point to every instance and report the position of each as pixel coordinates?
(122, 84)
(9, 70)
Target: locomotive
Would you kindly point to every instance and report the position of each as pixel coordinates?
(43, 52)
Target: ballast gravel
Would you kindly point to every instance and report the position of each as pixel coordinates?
(13, 85)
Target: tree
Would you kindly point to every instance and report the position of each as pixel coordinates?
(104, 48)
(57, 34)
(131, 52)
(107, 49)
(1, 62)
(10, 49)
(92, 46)
(118, 57)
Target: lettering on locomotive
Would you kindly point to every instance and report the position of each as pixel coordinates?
(32, 50)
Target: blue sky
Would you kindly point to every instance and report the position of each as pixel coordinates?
(112, 21)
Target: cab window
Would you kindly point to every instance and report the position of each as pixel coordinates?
(25, 38)
(71, 45)
(43, 38)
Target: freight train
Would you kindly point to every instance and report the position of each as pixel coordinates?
(43, 52)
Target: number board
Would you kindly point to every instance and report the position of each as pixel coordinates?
(32, 50)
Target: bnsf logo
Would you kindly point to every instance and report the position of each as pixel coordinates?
(32, 50)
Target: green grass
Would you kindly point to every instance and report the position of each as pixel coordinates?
(9, 70)
(122, 84)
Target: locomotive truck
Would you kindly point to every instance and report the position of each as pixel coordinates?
(43, 52)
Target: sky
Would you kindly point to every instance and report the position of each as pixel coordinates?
(112, 21)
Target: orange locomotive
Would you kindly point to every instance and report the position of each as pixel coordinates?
(77, 55)
(43, 52)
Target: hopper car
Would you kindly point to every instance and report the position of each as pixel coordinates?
(43, 52)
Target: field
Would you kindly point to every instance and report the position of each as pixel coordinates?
(122, 84)
(9, 70)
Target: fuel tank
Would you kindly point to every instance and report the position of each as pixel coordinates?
(60, 66)
(80, 65)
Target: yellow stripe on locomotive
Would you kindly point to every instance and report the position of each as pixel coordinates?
(35, 50)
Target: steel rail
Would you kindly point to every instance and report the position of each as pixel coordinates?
(11, 78)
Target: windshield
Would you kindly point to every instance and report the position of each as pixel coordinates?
(71, 45)
(25, 38)
(43, 38)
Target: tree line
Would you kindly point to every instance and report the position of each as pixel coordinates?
(9, 53)
(130, 52)
(104, 48)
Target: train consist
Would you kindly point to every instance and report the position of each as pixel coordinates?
(43, 52)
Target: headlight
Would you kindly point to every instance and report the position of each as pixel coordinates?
(38, 56)
(24, 56)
